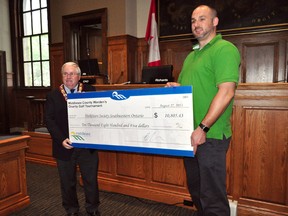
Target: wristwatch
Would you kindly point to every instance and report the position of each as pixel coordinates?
(204, 127)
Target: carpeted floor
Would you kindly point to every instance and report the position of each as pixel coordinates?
(44, 192)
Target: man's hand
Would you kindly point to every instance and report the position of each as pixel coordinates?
(172, 84)
(198, 137)
(67, 144)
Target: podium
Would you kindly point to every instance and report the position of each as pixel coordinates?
(13, 187)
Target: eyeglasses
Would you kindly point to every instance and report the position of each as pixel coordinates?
(69, 74)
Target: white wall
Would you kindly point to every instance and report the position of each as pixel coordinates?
(137, 17)
(5, 41)
(131, 18)
(115, 8)
(124, 16)
(143, 7)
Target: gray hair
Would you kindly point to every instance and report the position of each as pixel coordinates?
(78, 70)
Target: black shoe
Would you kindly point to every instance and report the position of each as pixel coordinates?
(73, 214)
(95, 213)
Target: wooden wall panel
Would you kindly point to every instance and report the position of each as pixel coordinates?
(261, 64)
(260, 150)
(117, 58)
(56, 62)
(257, 166)
(122, 59)
(142, 58)
(174, 53)
(107, 163)
(130, 166)
(266, 152)
(132, 59)
(168, 171)
(263, 56)
(10, 178)
(39, 153)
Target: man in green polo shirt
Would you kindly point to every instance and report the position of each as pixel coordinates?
(212, 69)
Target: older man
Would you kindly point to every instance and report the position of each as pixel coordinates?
(66, 156)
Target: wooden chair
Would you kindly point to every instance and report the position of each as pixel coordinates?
(36, 114)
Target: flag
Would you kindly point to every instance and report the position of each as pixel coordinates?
(152, 37)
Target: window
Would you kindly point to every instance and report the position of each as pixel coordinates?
(35, 43)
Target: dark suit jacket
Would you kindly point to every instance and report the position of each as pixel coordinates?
(56, 119)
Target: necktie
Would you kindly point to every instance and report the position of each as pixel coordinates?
(72, 91)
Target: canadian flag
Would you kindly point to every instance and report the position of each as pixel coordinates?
(152, 37)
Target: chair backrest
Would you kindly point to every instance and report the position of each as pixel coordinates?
(36, 114)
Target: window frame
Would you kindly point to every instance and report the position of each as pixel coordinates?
(17, 35)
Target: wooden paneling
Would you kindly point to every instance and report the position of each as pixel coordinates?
(260, 150)
(256, 55)
(154, 177)
(40, 148)
(265, 137)
(117, 63)
(142, 58)
(56, 62)
(256, 161)
(107, 169)
(264, 56)
(13, 187)
(133, 170)
(264, 59)
(168, 171)
(122, 59)
(257, 164)
(174, 53)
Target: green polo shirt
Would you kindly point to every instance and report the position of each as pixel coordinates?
(217, 62)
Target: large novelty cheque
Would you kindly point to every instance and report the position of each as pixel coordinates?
(148, 120)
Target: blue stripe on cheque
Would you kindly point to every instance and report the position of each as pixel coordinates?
(134, 92)
(158, 151)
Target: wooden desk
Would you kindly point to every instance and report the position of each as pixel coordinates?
(13, 186)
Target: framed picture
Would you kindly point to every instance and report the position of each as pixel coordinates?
(236, 16)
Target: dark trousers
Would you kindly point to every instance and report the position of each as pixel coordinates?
(206, 178)
(88, 163)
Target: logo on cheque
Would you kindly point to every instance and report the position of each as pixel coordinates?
(117, 96)
(76, 136)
